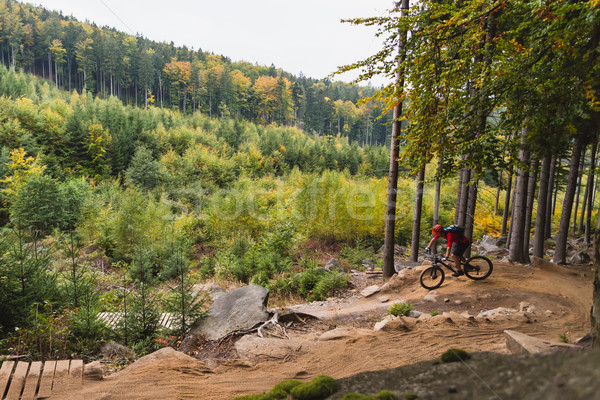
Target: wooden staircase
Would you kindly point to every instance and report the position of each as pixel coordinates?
(39, 380)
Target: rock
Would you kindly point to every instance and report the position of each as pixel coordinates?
(580, 258)
(414, 314)
(526, 307)
(239, 309)
(500, 311)
(519, 343)
(115, 350)
(446, 300)
(392, 323)
(395, 282)
(370, 291)
(548, 313)
(93, 371)
(383, 299)
(458, 302)
(489, 244)
(334, 265)
(430, 297)
(342, 333)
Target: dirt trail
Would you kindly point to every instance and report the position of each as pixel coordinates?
(561, 300)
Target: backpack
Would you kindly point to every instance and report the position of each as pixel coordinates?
(459, 230)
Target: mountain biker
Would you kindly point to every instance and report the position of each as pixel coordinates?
(457, 242)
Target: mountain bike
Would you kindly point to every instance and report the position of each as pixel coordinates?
(476, 268)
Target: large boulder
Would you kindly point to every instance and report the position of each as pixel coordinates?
(239, 309)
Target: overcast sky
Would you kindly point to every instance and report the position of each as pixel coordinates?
(298, 36)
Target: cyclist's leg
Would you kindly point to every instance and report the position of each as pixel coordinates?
(457, 251)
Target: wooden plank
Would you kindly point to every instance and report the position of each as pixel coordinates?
(47, 379)
(5, 371)
(61, 375)
(17, 381)
(75, 380)
(32, 381)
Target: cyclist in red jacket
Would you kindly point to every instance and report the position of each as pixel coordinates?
(457, 243)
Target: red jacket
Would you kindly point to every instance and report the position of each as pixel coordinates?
(452, 237)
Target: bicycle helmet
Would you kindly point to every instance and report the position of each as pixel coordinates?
(437, 229)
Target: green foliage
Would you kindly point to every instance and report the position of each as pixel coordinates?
(317, 389)
(400, 309)
(386, 395)
(282, 389)
(434, 313)
(356, 396)
(453, 355)
(410, 396)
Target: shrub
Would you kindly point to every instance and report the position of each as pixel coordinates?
(328, 284)
(282, 389)
(317, 389)
(453, 355)
(399, 309)
(385, 395)
(434, 313)
(410, 396)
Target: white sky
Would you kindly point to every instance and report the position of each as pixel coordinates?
(298, 36)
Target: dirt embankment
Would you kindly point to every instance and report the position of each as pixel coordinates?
(559, 301)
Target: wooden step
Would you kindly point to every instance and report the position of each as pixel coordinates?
(40, 380)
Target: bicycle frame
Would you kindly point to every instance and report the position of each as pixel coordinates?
(436, 260)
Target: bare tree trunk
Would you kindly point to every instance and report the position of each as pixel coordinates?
(551, 198)
(596, 298)
(506, 206)
(461, 186)
(436, 204)
(416, 232)
(470, 216)
(579, 179)
(540, 220)
(390, 215)
(463, 201)
(560, 254)
(592, 189)
(512, 212)
(529, 209)
(519, 205)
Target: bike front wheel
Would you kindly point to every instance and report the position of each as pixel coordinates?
(478, 267)
(432, 277)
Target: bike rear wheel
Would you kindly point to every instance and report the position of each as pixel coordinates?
(478, 267)
(432, 277)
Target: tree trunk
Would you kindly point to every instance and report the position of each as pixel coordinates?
(390, 215)
(596, 298)
(560, 255)
(540, 220)
(470, 215)
(506, 206)
(549, 202)
(463, 201)
(436, 204)
(592, 189)
(461, 184)
(578, 192)
(519, 206)
(529, 209)
(416, 232)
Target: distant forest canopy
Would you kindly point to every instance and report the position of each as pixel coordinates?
(103, 61)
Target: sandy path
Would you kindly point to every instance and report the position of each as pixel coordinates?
(562, 298)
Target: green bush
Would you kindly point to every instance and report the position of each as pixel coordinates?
(399, 309)
(453, 355)
(317, 389)
(434, 313)
(410, 396)
(282, 389)
(386, 395)
(328, 284)
(356, 396)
